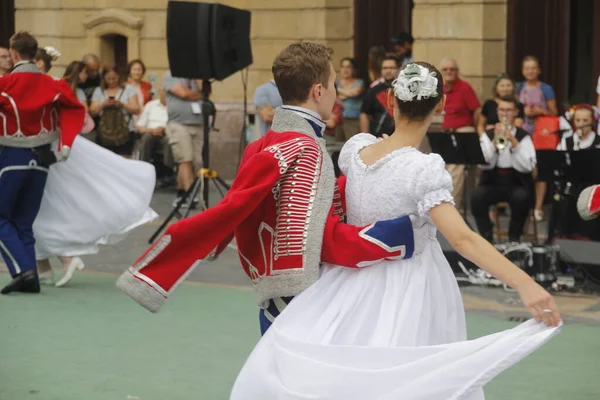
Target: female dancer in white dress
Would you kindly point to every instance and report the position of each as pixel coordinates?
(395, 330)
(94, 198)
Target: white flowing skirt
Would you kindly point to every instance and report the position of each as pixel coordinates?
(392, 331)
(94, 198)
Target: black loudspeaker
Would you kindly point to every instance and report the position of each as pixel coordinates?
(207, 41)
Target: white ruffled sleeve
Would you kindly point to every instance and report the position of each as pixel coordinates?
(433, 185)
(351, 148)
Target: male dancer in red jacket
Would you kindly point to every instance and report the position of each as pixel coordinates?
(36, 110)
(284, 206)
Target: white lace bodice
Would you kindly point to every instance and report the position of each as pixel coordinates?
(405, 181)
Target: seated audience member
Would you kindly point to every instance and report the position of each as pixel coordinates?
(504, 86)
(151, 125)
(507, 176)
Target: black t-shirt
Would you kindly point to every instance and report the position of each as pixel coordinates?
(490, 111)
(374, 105)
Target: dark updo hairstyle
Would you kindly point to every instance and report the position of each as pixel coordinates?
(41, 54)
(420, 109)
(352, 62)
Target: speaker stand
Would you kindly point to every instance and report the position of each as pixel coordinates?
(204, 175)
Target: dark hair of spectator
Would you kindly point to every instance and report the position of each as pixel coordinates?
(402, 38)
(71, 75)
(111, 68)
(510, 99)
(136, 61)
(352, 62)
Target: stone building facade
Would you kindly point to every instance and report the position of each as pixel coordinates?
(486, 37)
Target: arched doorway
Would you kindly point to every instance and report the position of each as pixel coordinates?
(113, 49)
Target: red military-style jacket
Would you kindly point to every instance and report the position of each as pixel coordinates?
(36, 110)
(272, 210)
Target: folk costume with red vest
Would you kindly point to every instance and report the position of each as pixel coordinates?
(37, 111)
(285, 211)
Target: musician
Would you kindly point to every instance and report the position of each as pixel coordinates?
(583, 119)
(507, 176)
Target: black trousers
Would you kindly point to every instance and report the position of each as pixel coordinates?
(517, 197)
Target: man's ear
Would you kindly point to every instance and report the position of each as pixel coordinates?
(391, 99)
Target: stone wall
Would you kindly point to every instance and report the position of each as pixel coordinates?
(471, 31)
(77, 27)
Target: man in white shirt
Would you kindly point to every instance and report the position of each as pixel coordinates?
(507, 174)
(151, 125)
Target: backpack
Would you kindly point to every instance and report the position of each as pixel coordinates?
(113, 127)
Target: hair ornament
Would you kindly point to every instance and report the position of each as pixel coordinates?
(52, 52)
(415, 81)
(570, 114)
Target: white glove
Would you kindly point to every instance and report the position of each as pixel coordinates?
(63, 154)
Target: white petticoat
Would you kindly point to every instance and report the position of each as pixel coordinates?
(392, 331)
(94, 198)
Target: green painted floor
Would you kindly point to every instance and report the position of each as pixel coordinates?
(90, 342)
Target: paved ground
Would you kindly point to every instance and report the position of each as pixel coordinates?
(89, 341)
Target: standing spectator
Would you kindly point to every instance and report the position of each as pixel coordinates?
(376, 55)
(350, 90)
(5, 61)
(504, 86)
(403, 43)
(266, 100)
(136, 73)
(184, 130)
(539, 99)
(376, 117)
(92, 66)
(460, 115)
(115, 104)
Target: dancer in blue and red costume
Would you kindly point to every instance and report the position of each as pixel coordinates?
(37, 111)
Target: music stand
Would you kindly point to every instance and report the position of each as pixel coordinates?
(567, 171)
(458, 148)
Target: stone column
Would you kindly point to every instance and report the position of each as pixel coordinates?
(471, 31)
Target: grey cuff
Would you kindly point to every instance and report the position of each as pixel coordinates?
(144, 294)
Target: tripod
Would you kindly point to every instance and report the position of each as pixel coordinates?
(204, 175)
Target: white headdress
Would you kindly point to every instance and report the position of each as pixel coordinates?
(415, 81)
(52, 52)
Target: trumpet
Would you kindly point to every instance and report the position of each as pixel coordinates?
(501, 141)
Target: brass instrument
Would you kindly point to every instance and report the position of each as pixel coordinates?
(501, 141)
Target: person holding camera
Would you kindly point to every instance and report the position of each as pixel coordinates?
(507, 176)
(115, 104)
